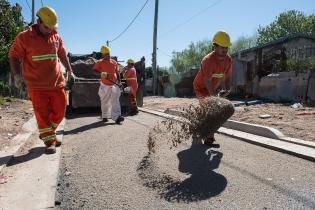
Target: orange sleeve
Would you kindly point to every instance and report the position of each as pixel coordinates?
(229, 69)
(17, 49)
(96, 66)
(62, 53)
(206, 68)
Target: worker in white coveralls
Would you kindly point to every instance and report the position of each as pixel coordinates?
(109, 90)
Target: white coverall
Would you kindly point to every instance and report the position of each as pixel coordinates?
(110, 104)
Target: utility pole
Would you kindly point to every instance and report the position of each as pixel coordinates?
(107, 43)
(33, 11)
(154, 66)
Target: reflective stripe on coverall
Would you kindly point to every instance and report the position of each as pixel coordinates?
(131, 78)
(49, 107)
(213, 68)
(41, 70)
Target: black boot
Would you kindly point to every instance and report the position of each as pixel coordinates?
(119, 119)
(210, 142)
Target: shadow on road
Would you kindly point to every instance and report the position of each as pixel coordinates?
(32, 154)
(87, 127)
(203, 183)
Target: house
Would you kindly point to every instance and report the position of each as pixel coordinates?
(262, 70)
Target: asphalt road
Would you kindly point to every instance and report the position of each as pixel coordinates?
(107, 166)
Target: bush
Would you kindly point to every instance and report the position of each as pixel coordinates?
(1, 101)
(4, 89)
(12, 91)
(301, 65)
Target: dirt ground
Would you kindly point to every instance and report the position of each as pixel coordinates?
(13, 114)
(296, 123)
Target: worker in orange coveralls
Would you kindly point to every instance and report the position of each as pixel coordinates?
(40, 49)
(109, 90)
(130, 75)
(216, 67)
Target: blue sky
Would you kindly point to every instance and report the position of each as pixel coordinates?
(86, 25)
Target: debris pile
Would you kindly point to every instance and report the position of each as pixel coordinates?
(200, 121)
(83, 68)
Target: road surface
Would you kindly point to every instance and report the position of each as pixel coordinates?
(107, 166)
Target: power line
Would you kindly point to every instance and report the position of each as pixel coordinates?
(164, 53)
(28, 5)
(190, 18)
(130, 22)
(186, 21)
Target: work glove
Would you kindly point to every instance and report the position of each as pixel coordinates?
(18, 81)
(223, 93)
(121, 86)
(70, 75)
(104, 75)
(70, 80)
(127, 89)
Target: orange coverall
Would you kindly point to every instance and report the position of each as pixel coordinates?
(131, 78)
(214, 69)
(41, 71)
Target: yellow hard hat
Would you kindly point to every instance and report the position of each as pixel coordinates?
(105, 50)
(130, 61)
(48, 16)
(222, 39)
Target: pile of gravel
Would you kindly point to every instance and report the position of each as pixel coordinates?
(200, 122)
(84, 68)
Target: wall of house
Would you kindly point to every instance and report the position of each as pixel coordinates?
(287, 86)
(298, 48)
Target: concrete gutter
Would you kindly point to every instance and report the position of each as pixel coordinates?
(259, 135)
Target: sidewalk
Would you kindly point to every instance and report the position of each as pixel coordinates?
(32, 174)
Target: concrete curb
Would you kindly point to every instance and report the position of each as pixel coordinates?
(18, 141)
(290, 146)
(245, 127)
(255, 129)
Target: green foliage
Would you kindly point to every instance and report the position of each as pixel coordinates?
(290, 22)
(243, 43)
(1, 101)
(4, 89)
(190, 57)
(299, 65)
(161, 71)
(10, 25)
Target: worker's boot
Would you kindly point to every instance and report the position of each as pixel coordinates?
(119, 119)
(50, 146)
(209, 141)
(133, 112)
(57, 143)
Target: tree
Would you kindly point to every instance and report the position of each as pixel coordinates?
(11, 24)
(290, 22)
(191, 56)
(243, 43)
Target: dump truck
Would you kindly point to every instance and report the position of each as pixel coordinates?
(83, 88)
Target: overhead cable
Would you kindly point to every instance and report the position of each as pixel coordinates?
(190, 18)
(130, 22)
(28, 5)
